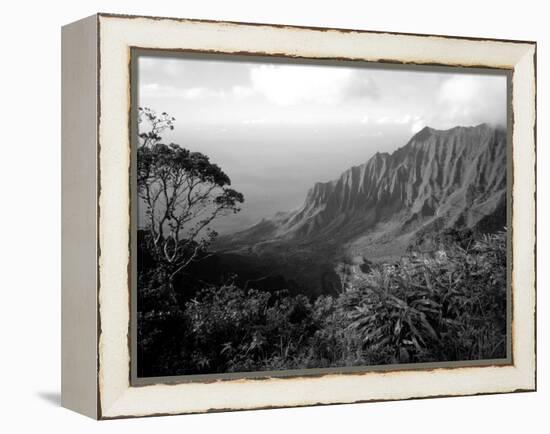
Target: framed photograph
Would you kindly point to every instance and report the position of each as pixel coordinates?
(262, 216)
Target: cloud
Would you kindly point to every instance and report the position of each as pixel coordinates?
(287, 85)
(405, 119)
(157, 90)
(167, 68)
(188, 71)
(471, 99)
(361, 86)
(204, 91)
(398, 120)
(260, 121)
(402, 122)
(242, 91)
(417, 125)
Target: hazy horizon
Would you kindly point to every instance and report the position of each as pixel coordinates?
(276, 129)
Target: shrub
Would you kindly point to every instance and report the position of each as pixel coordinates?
(444, 306)
(448, 307)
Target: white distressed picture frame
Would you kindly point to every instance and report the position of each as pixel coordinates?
(96, 216)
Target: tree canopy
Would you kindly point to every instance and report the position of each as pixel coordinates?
(183, 193)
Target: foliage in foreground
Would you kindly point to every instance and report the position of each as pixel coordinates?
(446, 306)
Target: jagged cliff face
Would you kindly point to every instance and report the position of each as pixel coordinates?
(438, 180)
(457, 175)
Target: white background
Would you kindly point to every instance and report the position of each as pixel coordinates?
(30, 217)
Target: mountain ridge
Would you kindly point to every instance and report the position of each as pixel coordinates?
(370, 189)
(439, 179)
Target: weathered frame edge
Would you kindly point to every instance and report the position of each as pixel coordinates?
(534, 132)
(79, 324)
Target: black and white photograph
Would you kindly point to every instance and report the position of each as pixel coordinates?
(299, 215)
(275, 217)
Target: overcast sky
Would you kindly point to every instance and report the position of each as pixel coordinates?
(278, 128)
